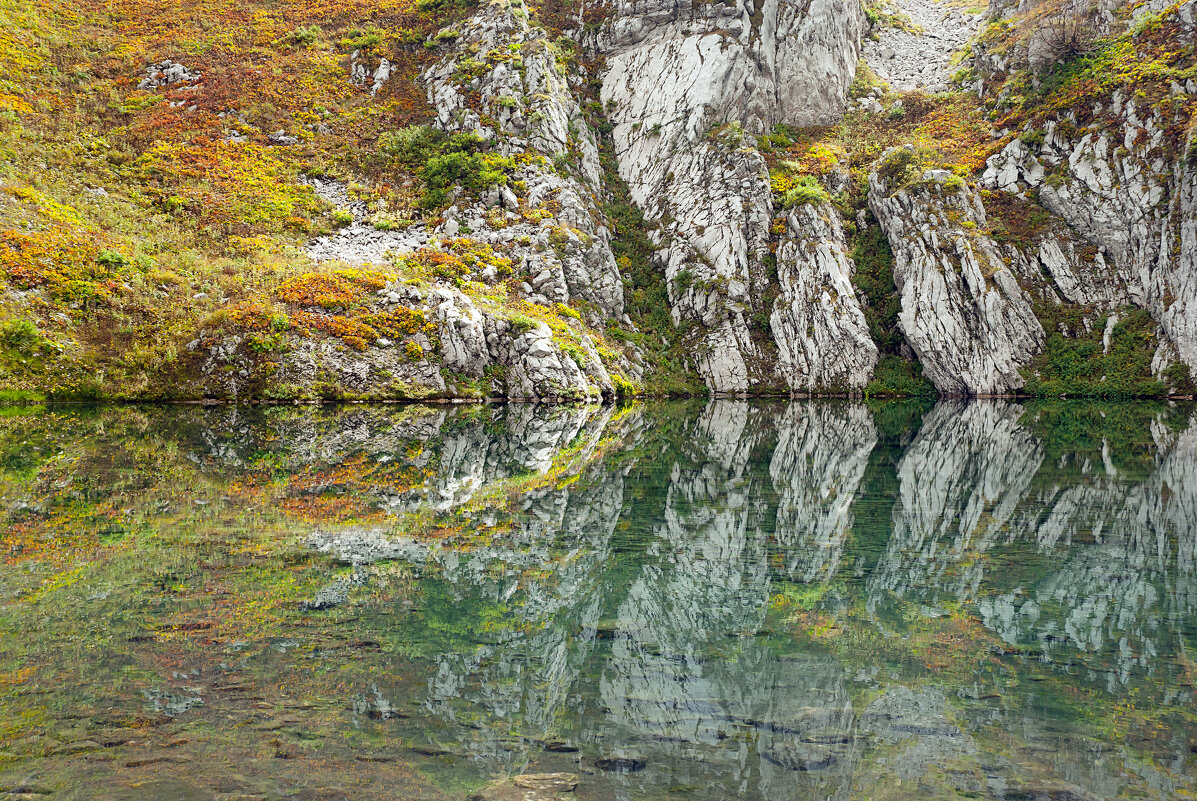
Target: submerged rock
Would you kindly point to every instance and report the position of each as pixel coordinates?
(529, 787)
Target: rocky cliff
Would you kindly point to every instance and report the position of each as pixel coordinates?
(567, 201)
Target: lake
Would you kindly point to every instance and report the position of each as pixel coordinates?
(666, 600)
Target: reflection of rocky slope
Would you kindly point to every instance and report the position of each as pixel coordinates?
(632, 631)
(1099, 561)
(544, 573)
(408, 456)
(821, 455)
(523, 675)
(961, 481)
(1111, 598)
(675, 678)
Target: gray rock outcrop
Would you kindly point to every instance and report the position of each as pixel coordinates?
(674, 75)
(963, 311)
(817, 322)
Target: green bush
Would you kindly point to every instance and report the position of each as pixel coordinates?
(19, 334)
(435, 6)
(471, 171)
(896, 377)
(306, 36)
(357, 39)
(806, 189)
(112, 259)
(874, 282)
(443, 161)
(521, 323)
(1079, 366)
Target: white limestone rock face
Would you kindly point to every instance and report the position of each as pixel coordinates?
(963, 311)
(674, 74)
(817, 322)
(1123, 183)
(1174, 284)
(718, 194)
(534, 114)
(772, 62)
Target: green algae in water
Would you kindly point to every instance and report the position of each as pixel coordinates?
(670, 600)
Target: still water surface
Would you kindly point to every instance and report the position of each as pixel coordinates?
(670, 600)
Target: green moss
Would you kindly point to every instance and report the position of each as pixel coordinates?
(1077, 364)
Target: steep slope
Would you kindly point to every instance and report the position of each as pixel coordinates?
(686, 89)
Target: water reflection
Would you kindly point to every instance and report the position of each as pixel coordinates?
(733, 599)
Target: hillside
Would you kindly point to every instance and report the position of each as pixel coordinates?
(453, 199)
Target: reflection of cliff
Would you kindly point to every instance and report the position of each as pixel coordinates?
(961, 481)
(621, 611)
(547, 583)
(1067, 556)
(821, 455)
(1130, 584)
(686, 671)
(527, 602)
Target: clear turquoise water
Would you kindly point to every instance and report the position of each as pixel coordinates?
(671, 600)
